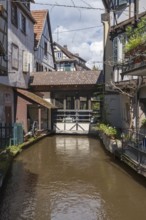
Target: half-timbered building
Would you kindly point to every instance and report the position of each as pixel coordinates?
(43, 46)
(67, 61)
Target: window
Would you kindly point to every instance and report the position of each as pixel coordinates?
(39, 67)
(115, 50)
(45, 49)
(83, 103)
(23, 23)
(67, 67)
(59, 55)
(14, 15)
(120, 2)
(70, 101)
(15, 57)
(118, 48)
(59, 102)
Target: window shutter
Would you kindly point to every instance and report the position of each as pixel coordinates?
(27, 61)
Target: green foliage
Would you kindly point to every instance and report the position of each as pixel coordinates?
(13, 150)
(136, 36)
(108, 130)
(143, 122)
(96, 106)
(133, 43)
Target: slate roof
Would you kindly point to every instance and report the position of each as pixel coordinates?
(65, 78)
(40, 17)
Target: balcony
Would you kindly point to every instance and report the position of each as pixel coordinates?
(134, 63)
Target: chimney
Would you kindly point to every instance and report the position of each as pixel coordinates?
(77, 54)
(65, 46)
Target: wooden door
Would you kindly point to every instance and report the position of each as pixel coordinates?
(8, 114)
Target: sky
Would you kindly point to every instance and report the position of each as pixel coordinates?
(66, 22)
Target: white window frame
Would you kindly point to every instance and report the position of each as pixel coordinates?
(118, 49)
(59, 55)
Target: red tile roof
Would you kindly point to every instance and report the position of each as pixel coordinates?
(40, 17)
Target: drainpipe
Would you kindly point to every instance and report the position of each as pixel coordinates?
(139, 82)
(39, 118)
(105, 21)
(105, 37)
(136, 10)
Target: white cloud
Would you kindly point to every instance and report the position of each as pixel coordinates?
(88, 43)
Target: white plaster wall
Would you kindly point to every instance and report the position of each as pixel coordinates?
(112, 110)
(142, 6)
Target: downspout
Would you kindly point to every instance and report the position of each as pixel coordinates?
(136, 10)
(105, 39)
(105, 35)
(139, 82)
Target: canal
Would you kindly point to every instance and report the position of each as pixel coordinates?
(71, 178)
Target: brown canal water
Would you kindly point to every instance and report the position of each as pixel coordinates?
(71, 178)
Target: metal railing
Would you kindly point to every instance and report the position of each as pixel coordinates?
(74, 116)
(11, 134)
(6, 131)
(134, 146)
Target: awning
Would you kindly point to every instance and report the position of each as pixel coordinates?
(36, 98)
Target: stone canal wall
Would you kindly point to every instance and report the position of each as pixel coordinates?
(133, 157)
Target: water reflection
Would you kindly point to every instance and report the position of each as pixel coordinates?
(70, 177)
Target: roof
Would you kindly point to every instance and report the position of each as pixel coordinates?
(40, 17)
(25, 10)
(57, 78)
(35, 98)
(68, 53)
